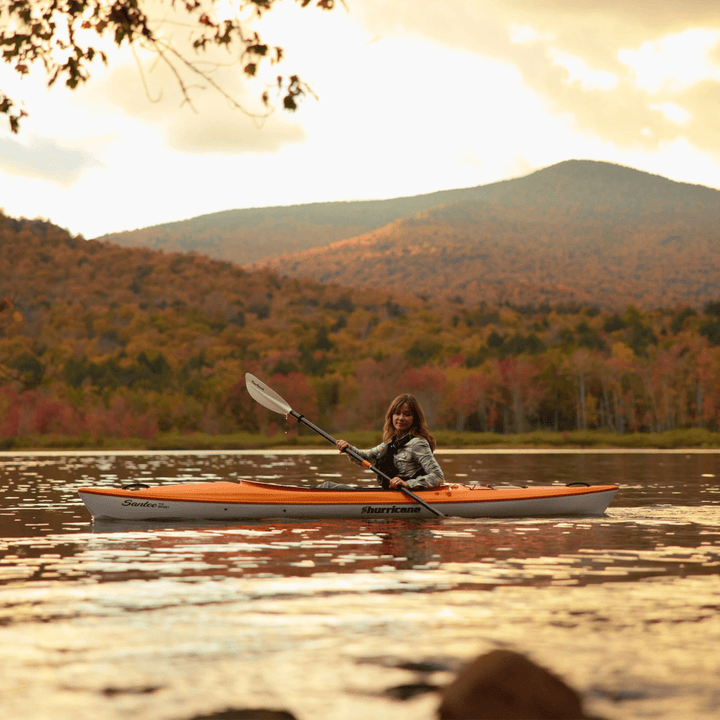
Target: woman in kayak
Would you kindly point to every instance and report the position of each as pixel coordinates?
(406, 453)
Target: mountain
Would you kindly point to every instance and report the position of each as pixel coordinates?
(247, 236)
(580, 232)
(574, 233)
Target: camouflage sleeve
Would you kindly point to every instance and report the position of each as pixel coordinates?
(432, 474)
(370, 455)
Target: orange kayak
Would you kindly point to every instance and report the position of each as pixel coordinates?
(249, 499)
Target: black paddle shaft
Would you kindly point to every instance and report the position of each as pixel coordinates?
(302, 419)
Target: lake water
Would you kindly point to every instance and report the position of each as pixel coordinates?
(169, 621)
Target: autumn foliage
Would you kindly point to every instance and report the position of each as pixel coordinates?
(576, 233)
(114, 342)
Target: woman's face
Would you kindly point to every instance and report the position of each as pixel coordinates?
(402, 419)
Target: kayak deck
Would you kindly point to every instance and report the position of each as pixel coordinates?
(250, 499)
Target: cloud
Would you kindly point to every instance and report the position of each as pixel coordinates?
(701, 102)
(614, 67)
(220, 111)
(210, 125)
(45, 159)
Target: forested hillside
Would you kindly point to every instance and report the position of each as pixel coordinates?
(112, 342)
(578, 232)
(251, 235)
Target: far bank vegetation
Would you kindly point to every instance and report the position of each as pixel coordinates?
(99, 342)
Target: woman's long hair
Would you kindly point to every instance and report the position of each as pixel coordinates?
(419, 427)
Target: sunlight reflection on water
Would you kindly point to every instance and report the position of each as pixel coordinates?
(168, 620)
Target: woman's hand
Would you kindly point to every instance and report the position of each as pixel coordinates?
(397, 483)
(342, 445)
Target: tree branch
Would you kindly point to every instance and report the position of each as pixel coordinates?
(51, 32)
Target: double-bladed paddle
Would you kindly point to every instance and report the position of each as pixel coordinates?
(267, 397)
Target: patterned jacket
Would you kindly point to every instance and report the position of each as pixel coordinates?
(415, 463)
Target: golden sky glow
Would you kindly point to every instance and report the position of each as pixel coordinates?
(413, 97)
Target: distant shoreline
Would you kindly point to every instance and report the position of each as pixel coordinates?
(538, 441)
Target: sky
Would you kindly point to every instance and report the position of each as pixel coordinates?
(413, 96)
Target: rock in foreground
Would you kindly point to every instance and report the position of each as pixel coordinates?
(504, 685)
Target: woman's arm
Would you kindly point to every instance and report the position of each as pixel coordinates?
(370, 455)
(422, 464)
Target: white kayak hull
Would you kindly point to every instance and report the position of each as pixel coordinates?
(250, 500)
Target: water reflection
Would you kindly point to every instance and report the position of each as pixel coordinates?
(98, 617)
(492, 552)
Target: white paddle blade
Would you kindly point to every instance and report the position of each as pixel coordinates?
(260, 392)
